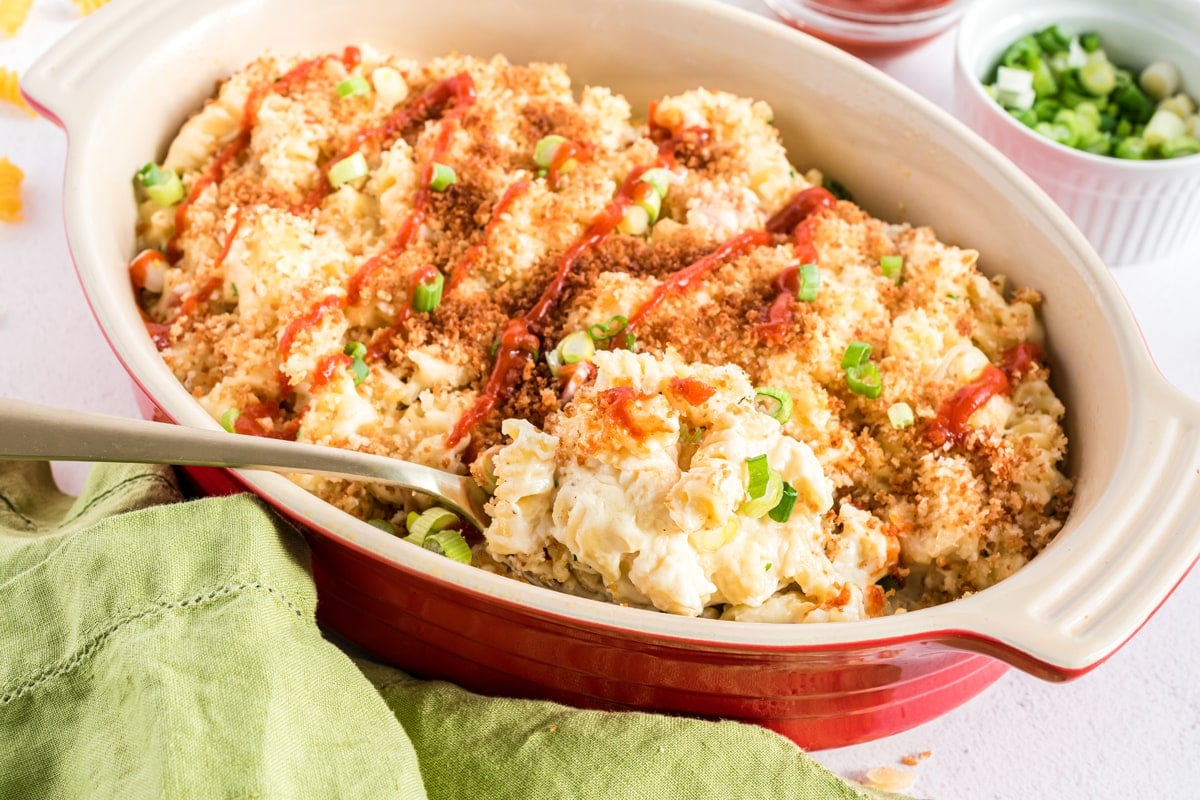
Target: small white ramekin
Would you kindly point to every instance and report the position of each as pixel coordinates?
(1130, 211)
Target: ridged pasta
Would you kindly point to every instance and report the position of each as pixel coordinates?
(10, 90)
(88, 6)
(10, 190)
(12, 15)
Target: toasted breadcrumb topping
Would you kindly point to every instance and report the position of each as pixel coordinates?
(282, 295)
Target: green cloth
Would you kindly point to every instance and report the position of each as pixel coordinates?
(161, 648)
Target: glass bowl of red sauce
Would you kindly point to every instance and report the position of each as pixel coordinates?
(870, 25)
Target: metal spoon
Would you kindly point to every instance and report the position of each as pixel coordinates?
(31, 431)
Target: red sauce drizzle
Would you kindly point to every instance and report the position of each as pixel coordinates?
(159, 332)
(248, 422)
(950, 424)
(669, 141)
(476, 251)
(193, 300)
(412, 223)
(692, 390)
(141, 265)
(567, 151)
(229, 237)
(619, 404)
(519, 340)
(351, 57)
(309, 319)
(776, 318)
(802, 206)
(216, 169)
(380, 340)
(683, 279)
(327, 366)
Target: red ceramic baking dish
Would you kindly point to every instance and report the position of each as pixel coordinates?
(123, 82)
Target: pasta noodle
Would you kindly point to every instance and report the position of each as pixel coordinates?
(10, 191)
(10, 90)
(12, 15)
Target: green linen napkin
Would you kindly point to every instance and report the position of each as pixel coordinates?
(160, 648)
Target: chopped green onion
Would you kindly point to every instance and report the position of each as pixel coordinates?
(431, 520)
(782, 410)
(353, 86)
(782, 511)
(1133, 148)
(635, 222)
(1052, 39)
(892, 266)
(603, 332)
(864, 380)
(652, 204)
(358, 365)
(1090, 41)
(576, 347)
(428, 294)
(229, 418)
(410, 519)
(443, 177)
(348, 169)
(769, 497)
(1178, 146)
(857, 354)
(163, 186)
(383, 525)
(546, 149)
(1160, 79)
(759, 473)
(836, 189)
(810, 282)
(1098, 76)
(900, 415)
(659, 178)
(451, 544)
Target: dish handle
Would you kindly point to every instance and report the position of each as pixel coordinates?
(84, 66)
(1097, 587)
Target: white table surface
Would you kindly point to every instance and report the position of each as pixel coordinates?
(1130, 729)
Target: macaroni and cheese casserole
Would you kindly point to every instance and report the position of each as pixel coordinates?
(693, 375)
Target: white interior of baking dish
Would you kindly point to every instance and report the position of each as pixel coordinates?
(123, 83)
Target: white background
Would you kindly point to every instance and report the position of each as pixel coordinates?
(1130, 729)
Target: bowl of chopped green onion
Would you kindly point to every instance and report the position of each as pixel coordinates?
(1097, 102)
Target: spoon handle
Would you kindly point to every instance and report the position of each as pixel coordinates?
(31, 431)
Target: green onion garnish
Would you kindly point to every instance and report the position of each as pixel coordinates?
(759, 473)
(576, 347)
(772, 494)
(428, 294)
(652, 205)
(358, 365)
(864, 380)
(892, 266)
(782, 511)
(348, 169)
(443, 177)
(383, 525)
(635, 222)
(229, 418)
(900, 415)
(659, 178)
(810, 282)
(163, 186)
(782, 407)
(602, 332)
(353, 86)
(546, 149)
(451, 544)
(857, 354)
(431, 520)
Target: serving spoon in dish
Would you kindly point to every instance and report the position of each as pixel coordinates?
(32, 431)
